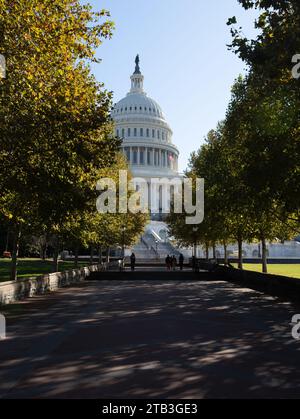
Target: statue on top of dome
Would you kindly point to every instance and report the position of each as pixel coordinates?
(137, 65)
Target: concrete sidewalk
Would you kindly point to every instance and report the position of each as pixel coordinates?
(151, 339)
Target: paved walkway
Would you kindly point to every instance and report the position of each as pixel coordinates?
(154, 339)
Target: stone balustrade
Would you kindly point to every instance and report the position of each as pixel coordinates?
(25, 288)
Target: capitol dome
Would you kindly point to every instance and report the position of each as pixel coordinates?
(145, 133)
(138, 103)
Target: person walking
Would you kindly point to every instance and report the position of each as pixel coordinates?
(174, 263)
(181, 261)
(132, 261)
(168, 263)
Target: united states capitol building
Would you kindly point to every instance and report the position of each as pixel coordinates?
(147, 144)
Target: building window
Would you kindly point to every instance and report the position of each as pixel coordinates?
(123, 133)
(129, 132)
(156, 158)
(135, 132)
(163, 136)
(118, 132)
(153, 133)
(135, 156)
(148, 132)
(149, 156)
(142, 157)
(158, 134)
(142, 132)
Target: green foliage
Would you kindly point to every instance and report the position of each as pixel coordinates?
(56, 135)
(251, 161)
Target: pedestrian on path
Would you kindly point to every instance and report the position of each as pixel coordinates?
(168, 263)
(181, 261)
(174, 263)
(132, 261)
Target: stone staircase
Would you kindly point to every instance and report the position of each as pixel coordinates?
(151, 247)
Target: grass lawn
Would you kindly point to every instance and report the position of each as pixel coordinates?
(292, 271)
(32, 267)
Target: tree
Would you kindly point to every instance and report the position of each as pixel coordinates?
(55, 130)
(102, 231)
(269, 57)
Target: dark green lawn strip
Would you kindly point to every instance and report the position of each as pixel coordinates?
(33, 267)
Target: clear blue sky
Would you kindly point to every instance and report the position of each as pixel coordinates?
(187, 67)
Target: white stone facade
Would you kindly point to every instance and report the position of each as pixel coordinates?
(147, 144)
(146, 136)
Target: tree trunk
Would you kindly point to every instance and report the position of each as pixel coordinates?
(7, 241)
(15, 253)
(107, 254)
(43, 251)
(240, 244)
(92, 255)
(214, 252)
(100, 256)
(225, 255)
(76, 257)
(264, 256)
(207, 252)
(55, 258)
